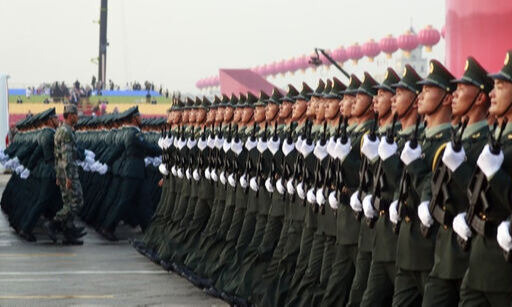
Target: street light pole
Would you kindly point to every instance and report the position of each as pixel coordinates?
(102, 58)
(315, 60)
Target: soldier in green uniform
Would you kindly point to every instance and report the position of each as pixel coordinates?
(66, 169)
(470, 101)
(488, 280)
(379, 290)
(415, 251)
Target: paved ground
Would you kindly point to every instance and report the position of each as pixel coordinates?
(99, 273)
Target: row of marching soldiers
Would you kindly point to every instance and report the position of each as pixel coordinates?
(115, 157)
(369, 194)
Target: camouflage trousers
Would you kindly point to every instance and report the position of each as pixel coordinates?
(72, 199)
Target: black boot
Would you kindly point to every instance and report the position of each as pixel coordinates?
(52, 229)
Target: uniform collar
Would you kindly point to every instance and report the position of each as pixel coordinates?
(363, 125)
(132, 126)
(506, 131)
(430, 132)
(473, 128)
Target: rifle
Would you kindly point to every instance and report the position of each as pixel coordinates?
(440, 179)
(404, 178)
(201, 162)
(305, 171)
(477, 191)
(229, 164)
(364, 176)
(234, 166)
(259, 165)
(248, 161)
(273, 168)
(339, 175)
(299, 160)
(284, 166)
(318, 167)
(218, 159)
(378, 179)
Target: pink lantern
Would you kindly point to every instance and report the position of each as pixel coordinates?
(198, 84)
(272, 68)
(408, 42)
(301, 63)
(339, 55)
(388, 45)
(264, 69)
(281, 67)
(371, 49)
(324, 60)
(428, 37)
(354, 53)
(290, 65)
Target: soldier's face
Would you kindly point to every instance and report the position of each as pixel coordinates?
(170, 117)
(237, 116)
(299, 107)
(402, 100)
(184, 116)
(463, 97)
(331, 108)
(361, 104)
(348, 102)
(285, 110)
(220, 115)
(247, 114)
(312, 106)
(73, 118)
(271, 111)
(54, 122)
(501, 97)
(382, 102)
(177, 117)
(192, 116)
(210, 117)
(200, 116)
(228, 114)
(259, 114)
(320, 111)
(430, 98)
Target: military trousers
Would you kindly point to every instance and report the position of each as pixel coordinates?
(470, 297)
(379, 289)
(409, 287)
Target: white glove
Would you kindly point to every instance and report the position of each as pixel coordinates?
(298, 143)
(213, 174)
(89, 160)
(279, 186)
(157, 161)
(368, 209)
(320, 198)
(289, 187)
(331, 147)
(269, 186)
(202, 144)
(163, 169)
(320, 150)
(19, 169)
(386, 150)
(226, 146)
(187, 173)
(453, 159)
(174, 171)
(196, 175)
(393, 212)
(231, 180)
(15, 162)
(306, 149)
(147, 161)
(488, 162)
(96, 166)
(180, 173)
(207, 174)
(333, 200)
(300, 191)
(461, 227)
(210, 142)
(273, 146)
(25, 174)
(370, 148)
(90, 153)
(424, 214)
(408, 154)
(342, 150)
(311, 196)
(168, 142)
(222, 178)
(160, 142)
(254, 184)
(103, 169)
(243, 181)
(237, 147)
(503, 236)
(86, 167)
(287, 148)
(262, 145)
(355, 203)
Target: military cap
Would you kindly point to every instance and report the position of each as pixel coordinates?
(70, 108)
(305, 94)
(409, 81)
(327, 89)
(276, 96)
(46, 114)
(250, 101)
(353, 85)
(389, 79)
(225, 100)
(177, 105)
(337, 89)
(476, 75)
(292, 92)
(216, 102)
(262, 100)
(233, 101)
(197, 103)
(368, 85)
(189, 104)
(439, 76)
(133, 111)
(505, 73)
(205, 103)
(319, 89)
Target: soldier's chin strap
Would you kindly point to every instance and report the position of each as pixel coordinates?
(506, 110)
(472, 102)
(409, 108)
(439, 104)
(386, 114)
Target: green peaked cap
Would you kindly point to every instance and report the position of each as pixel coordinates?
(389, 79)
(439, 76)
(225, 100)
(476, 75)
(189, 104)
(292, 92)
(327, 89)
(198, 102)
(337, 89)
(262, 100)
(205, 103)
(276, 96)
(409, 81)
(233, 101)
(249, 101)
(368, 85)
(353, 85)
(319, 89)
(506, 71)
(305, 94)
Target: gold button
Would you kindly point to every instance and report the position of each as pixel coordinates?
(445, 227)
(444, 208)
(407, 219)
(484, 217)
(382, 212)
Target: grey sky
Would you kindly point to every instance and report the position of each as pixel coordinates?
(175, 43)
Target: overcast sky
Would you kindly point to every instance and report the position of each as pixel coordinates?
(175, 43)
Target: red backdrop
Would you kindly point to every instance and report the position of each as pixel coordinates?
(480, 28)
